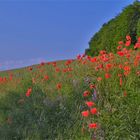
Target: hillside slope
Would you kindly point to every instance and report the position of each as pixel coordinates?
(83, 99)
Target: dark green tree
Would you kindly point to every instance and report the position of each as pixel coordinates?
(126, 23)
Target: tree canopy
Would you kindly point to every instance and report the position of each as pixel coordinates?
(126, 23)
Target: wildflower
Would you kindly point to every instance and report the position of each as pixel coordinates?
(59, 86)
(100, 66)
(86, 93)
(119, 47)
(127, 68)
(102, 52)
(108, 66)
(46, 77)
(57, 69)
(126, 73)
(30, 68)
(88, 58)
(48, 63)
(120, 66)
(137, 45)
(93, 111)
(54, 64)
(68, 62)
(120, 81)
(107, 75)
(84, 62)
(79, 57)
(85, 113)
(64, 70)
(28, 93)
(128, 56)
(120, 42)
(104, 58)
(90, 103)
(128, 43)
(128, 37)
(70, 69)
(92, 125)
(111, 55)
(99, 79)
(120, 53)
(92, 86)
(10, 77)
(93, 59)
(42, 63)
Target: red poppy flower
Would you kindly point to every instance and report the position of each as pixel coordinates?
(126, 73)
(120, 42)
(88, 58)
(54, 64)
(119, 47)
(85, 113)
(128, 43)
(42, 63)
(93, 111)
(137, 45)
(57, 69)
(120, 81)
(100, 66)
(30, 68)
(102, 52)
(92, 125)
(120, 53)
(99, 79)
(68, 62)
(28, 93)
(59, 86)
(107, 75)
(108, 66)
(120, 66)
(48, 63)
(93, 59)
(128, 37)
(86, 93)
(92, 86)
(127, 68)
(79, 57)
(90, 103)
(46, 77)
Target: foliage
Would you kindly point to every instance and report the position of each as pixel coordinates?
(126, 23)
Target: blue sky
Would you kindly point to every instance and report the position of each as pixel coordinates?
(46, 30)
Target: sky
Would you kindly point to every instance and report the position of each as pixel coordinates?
(32, 31)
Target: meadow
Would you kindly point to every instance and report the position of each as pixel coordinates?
(86, 98)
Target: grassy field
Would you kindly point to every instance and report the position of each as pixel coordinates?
(88, 98)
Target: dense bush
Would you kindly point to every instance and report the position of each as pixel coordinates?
(116, 29)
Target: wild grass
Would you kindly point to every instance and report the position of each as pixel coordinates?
(52, 111)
